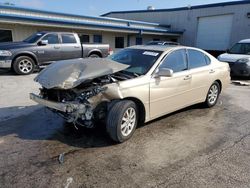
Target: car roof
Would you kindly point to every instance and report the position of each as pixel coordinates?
(162, 41)
(156, 47)
(56, 32)
(245, 41)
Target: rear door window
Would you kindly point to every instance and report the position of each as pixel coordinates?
(68, 39)
(196, 59)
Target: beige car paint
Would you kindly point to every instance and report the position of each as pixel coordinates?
(163, 95)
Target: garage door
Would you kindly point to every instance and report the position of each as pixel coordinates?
(214, 32)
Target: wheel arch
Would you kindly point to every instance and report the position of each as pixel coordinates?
(95, 51)
(141, 109)
(220, 84)
(30, 55)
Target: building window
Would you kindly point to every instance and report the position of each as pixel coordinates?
(138, 41)
(97, 38)
(156, 39)
(119, 42)
(6, 36)
(84, 38)
(68, 39)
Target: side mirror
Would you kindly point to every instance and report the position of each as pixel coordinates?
(43, 43)
(227, 51)
(164, 72)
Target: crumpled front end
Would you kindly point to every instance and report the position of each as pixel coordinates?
(74, 106)
(80, 91)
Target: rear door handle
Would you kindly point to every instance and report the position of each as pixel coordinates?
(188, 77)
(212, 71)
(76, 46)
(57, 47)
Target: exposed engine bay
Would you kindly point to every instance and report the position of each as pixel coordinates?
(83, 104)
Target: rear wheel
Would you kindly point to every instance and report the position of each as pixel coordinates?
(213, 94)
(94, 56)
(122, 120)
(23, 65)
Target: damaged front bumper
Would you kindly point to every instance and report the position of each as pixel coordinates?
(72, 112)
(62, 107)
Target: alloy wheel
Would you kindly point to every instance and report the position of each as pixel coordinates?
(213, 94)
(25, 66)
(128, 121)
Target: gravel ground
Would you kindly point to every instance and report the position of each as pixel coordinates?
(195, 147)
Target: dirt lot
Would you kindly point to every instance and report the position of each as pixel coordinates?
(195, 147)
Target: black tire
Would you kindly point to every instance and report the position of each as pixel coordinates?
(115, 119)
(94, 56)
(27, 68)
(209, 102)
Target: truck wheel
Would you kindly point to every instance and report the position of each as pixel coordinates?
(213, 95)
(94, 56)
(24, 65)
(122, 120)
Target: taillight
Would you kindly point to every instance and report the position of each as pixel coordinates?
(110, 51)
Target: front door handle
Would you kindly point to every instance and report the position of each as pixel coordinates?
(57, 47)
(188, 77)
(212, 71)
(76, 46)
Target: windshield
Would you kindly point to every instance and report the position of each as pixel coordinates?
(240, 48)
(34, 38)
(140, 61)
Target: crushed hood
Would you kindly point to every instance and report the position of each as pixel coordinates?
(71, 73)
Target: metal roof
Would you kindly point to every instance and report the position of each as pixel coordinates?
(183, 8)
(73, 15)
(13, 13)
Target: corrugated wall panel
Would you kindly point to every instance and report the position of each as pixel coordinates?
(188, 20)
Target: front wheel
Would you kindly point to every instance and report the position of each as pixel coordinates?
(213, 94)
(122, 120)
(23, 65)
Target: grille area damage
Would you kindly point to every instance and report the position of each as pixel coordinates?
(81, 90)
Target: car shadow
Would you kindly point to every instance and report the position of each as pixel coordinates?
(199, 106)
(41, 124)
(8, 72)
(240, 78)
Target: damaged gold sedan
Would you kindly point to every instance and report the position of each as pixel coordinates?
(133, 86)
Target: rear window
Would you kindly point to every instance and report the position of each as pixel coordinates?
(68, 39)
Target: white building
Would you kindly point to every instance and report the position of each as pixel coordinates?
(18, 23)
(213, 27)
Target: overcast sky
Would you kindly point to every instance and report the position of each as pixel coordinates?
(98, 7)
